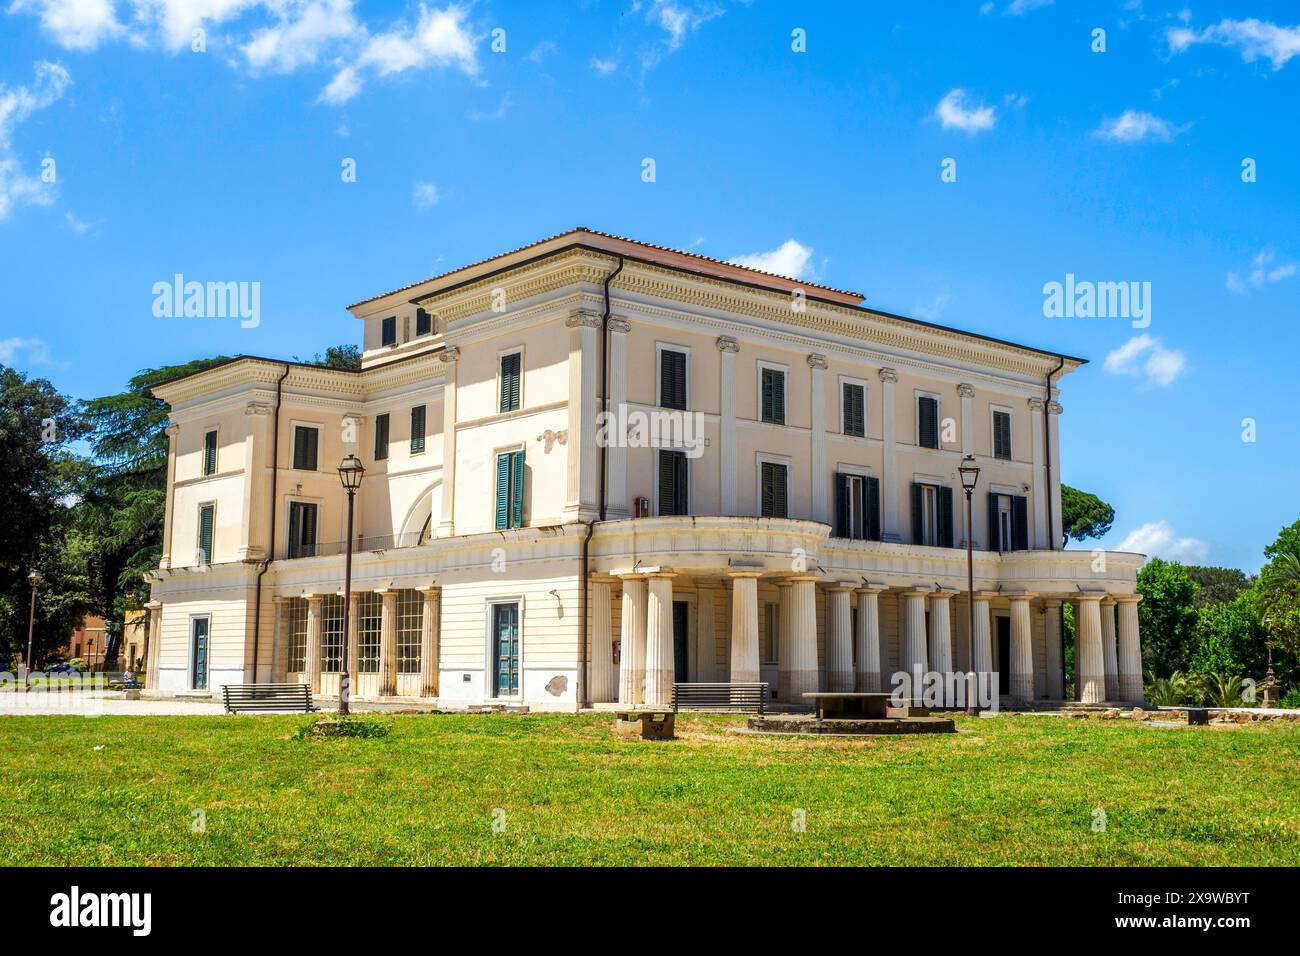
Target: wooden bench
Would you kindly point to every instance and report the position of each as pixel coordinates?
(833, 704)
(743, 698)
(265, 697)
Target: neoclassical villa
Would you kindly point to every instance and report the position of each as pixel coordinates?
(596, 466)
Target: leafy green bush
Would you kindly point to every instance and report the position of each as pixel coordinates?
(1218, 690)
(1291, 698)
(1171, 691)
(325, 726)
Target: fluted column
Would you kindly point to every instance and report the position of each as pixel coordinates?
(388, 644)
(867, 641)
(982, 645)
(1109, 652)
(1055, 660)
(1130, 651)
(152, 642)
(446, 524)
(914, 658)
(803, 637)
(706, 637)
(659, 668)
(354, 614)
(1089, 659)
(430, 633)
(941, 638)
(601, 687)
(631, 668)
(1022, 651)
(313, 641)
(784, 632)
(744, 627)
(839, 639)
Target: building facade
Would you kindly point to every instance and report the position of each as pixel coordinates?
(595, 467)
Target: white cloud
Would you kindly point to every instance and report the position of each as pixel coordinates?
(603, 67)
(36, 350)
(1264, 270)
(73, 24)
(1133, 126)
(1145, 356)
(931, 312)
(1019, 8)
(306, 28)
(342, 88)
(1252, 38)
(1157, 539)
(955, 112)
(17, 188)
(791, 259)
(540, 52)
(677, 20)
(77, 225)
(424, 195)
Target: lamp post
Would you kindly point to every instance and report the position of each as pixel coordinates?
(351, 471)
(36, 579)
(970, 474)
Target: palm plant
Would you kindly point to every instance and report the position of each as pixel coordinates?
(1220, 691)
(1169, 691)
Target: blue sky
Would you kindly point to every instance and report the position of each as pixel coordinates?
(225, 164)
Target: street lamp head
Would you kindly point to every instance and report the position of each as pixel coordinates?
(970, 472)
(351, 471)
(36, 578)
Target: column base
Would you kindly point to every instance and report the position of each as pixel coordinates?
(840, 681)
(1093, 690)
(803, 682)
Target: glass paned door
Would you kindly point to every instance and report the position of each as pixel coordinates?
(199, 653)
(505, 630)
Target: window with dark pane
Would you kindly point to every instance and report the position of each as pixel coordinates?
(672, 379)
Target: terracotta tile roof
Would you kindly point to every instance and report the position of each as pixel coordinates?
(661, 254)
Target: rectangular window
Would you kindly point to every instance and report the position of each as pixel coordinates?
(199, 653)
(306, 447)
(505, 648)
(296, 644)
(773, 395)
(855, 410)
(1008, 522)
(932, 515)
(773, 502)
(388, 331)
(381, 437)
(510, 382)
(423, 322)
(370, 614)
(417, 429)
(510, 490)
(771, 634)
(1002, 435)
(410, 626)
(672, 378)
(927, 421)
(302, 530)
(207, 519)
(210, 452)
(857, 507)
(674, 486)
(331, 634)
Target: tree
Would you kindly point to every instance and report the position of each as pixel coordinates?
(1166, 616)
(1083, 515)
(1230, 639)
(1216, 585)
(124, 496)
(1280, 591)
(37, 486)
(346, 357)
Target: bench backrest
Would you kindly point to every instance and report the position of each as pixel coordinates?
(267, 696)
(745, 698)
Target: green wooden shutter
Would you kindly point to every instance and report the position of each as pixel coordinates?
(295, 531)
(205, 533)
(210, 453)
(778, 397)
(1020, 522)
(672, 379)
(423, 324)
(780, 503)
(871, 507)
(517, 490)
(773, 398)
(503, 492)
(842, 529)
(918, 509)
(945, 517)
(388, 331)
(510, 382)
(1001, 435)
(309, 530)
(767, 410)
(995, 524)
(306, 442)
(927, 410)
(854, 410)
(417, 429)
(381, 437)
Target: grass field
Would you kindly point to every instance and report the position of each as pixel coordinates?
(119, 790)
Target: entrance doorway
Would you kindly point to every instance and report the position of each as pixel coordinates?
(199, 654)
(681, 641)
(505, 651)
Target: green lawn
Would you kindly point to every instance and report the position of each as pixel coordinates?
(1004, 790)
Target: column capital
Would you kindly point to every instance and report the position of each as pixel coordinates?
(801, 578)
(726, 343)
(450, 355)
(940, 594)
(870, 587)
(1108, 601)
(313, 598)
(1127, 598)
(1051, 602)
(888, 376)
(661, 574)
(1087, 596)
(1035, 404)
(986, 596)
(583, 319)
(966, 390)
(620, 325)
(1025, 596)
(1055, 408)
(835, 587)
(917, 590)
(818, 362)
(744, 573)
(428, 589)
(258, 408)
(172, 429)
